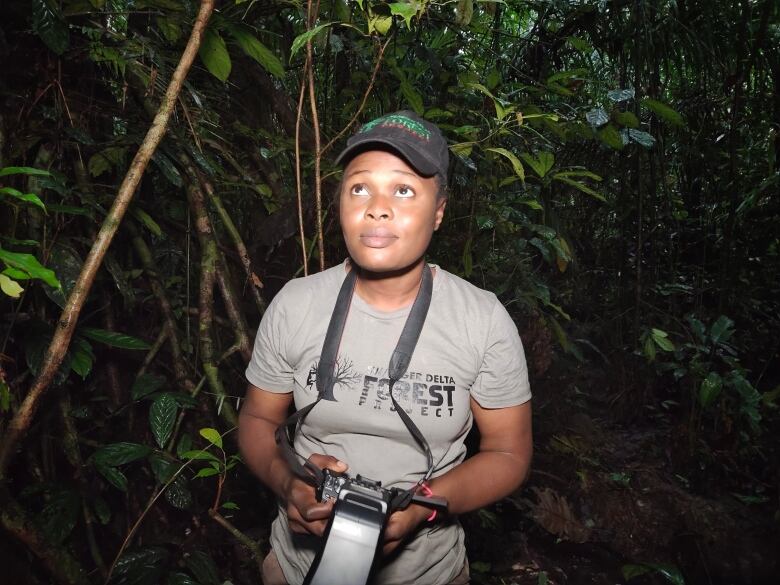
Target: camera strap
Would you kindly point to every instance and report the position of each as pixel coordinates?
(399, 362)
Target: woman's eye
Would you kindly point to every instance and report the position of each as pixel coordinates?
(404, 191)
(359, 190)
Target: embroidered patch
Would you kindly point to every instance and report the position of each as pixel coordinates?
(401, 122)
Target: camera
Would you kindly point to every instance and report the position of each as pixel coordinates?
(333, 483)
(352, 535)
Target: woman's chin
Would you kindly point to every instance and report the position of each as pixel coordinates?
(379, 266)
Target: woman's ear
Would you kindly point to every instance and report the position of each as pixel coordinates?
(439, 216)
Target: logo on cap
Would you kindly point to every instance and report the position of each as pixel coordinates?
(401, 122)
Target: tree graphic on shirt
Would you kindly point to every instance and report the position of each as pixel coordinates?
(344, 376)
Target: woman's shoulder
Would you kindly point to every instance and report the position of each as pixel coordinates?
(461, 290)
(305, 290)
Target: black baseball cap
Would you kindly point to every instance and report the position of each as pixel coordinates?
(420, 143)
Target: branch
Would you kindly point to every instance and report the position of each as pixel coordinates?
(298, 186)
(315, 122)
(66, 325)
(209, 256)
(241, 537)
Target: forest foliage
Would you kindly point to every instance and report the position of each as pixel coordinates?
(614, 181)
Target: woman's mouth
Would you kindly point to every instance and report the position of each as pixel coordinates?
(377, 238)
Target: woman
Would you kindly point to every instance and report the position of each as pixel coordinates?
(468, 366)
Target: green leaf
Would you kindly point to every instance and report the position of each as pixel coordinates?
(199, 455)
(10, 287)
(203, 567)
(29, 264)
(516, 164)
(182, 578)
(113, 476)
(81, 357)
(146, 384)
(302, 38)
(214, 54)
(212, 436)
(168, 168)
(649, 349)
(60, 514)
(162, 416)
(114, 339)
(380, 24)
(579, 44)
(710, 389)
(252, 46)
(610, 136)
(146, 220)
(67, 264)
(464, 12)
(661, 339)
(579, 173)
(169, 27)
(207, 472)
(621, 95)
(103, 161)
(178, 494)
(406, 10)
(26, 197)
(663, 111)
(230, 506)
(540, 165)
(577, 185)
(48, 24)
(163, 468)
(141, 567)
(116, 454)
(721, 330)
(631, 571)
(597, 117)
(413, 98)
(669, 572)
(24, 171)
(640, 137)
(627, 119)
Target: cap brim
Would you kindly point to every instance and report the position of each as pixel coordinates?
(415, 158)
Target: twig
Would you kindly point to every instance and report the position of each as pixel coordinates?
(298, 186)
(315, 121)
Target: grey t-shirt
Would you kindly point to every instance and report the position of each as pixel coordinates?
(468, 348)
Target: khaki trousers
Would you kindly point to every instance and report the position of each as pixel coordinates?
(272, 572)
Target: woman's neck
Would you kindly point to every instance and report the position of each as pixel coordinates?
(390, 291)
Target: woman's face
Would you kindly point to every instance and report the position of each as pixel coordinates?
(388, 212)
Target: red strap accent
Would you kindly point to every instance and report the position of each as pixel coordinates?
(427, 491)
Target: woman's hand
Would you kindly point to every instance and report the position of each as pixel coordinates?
(305, 514)
(401, 524)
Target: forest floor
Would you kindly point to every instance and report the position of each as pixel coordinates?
(612, 496)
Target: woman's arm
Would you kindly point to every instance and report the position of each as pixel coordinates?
(497, 470)
(261, 413)
(500, 466)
